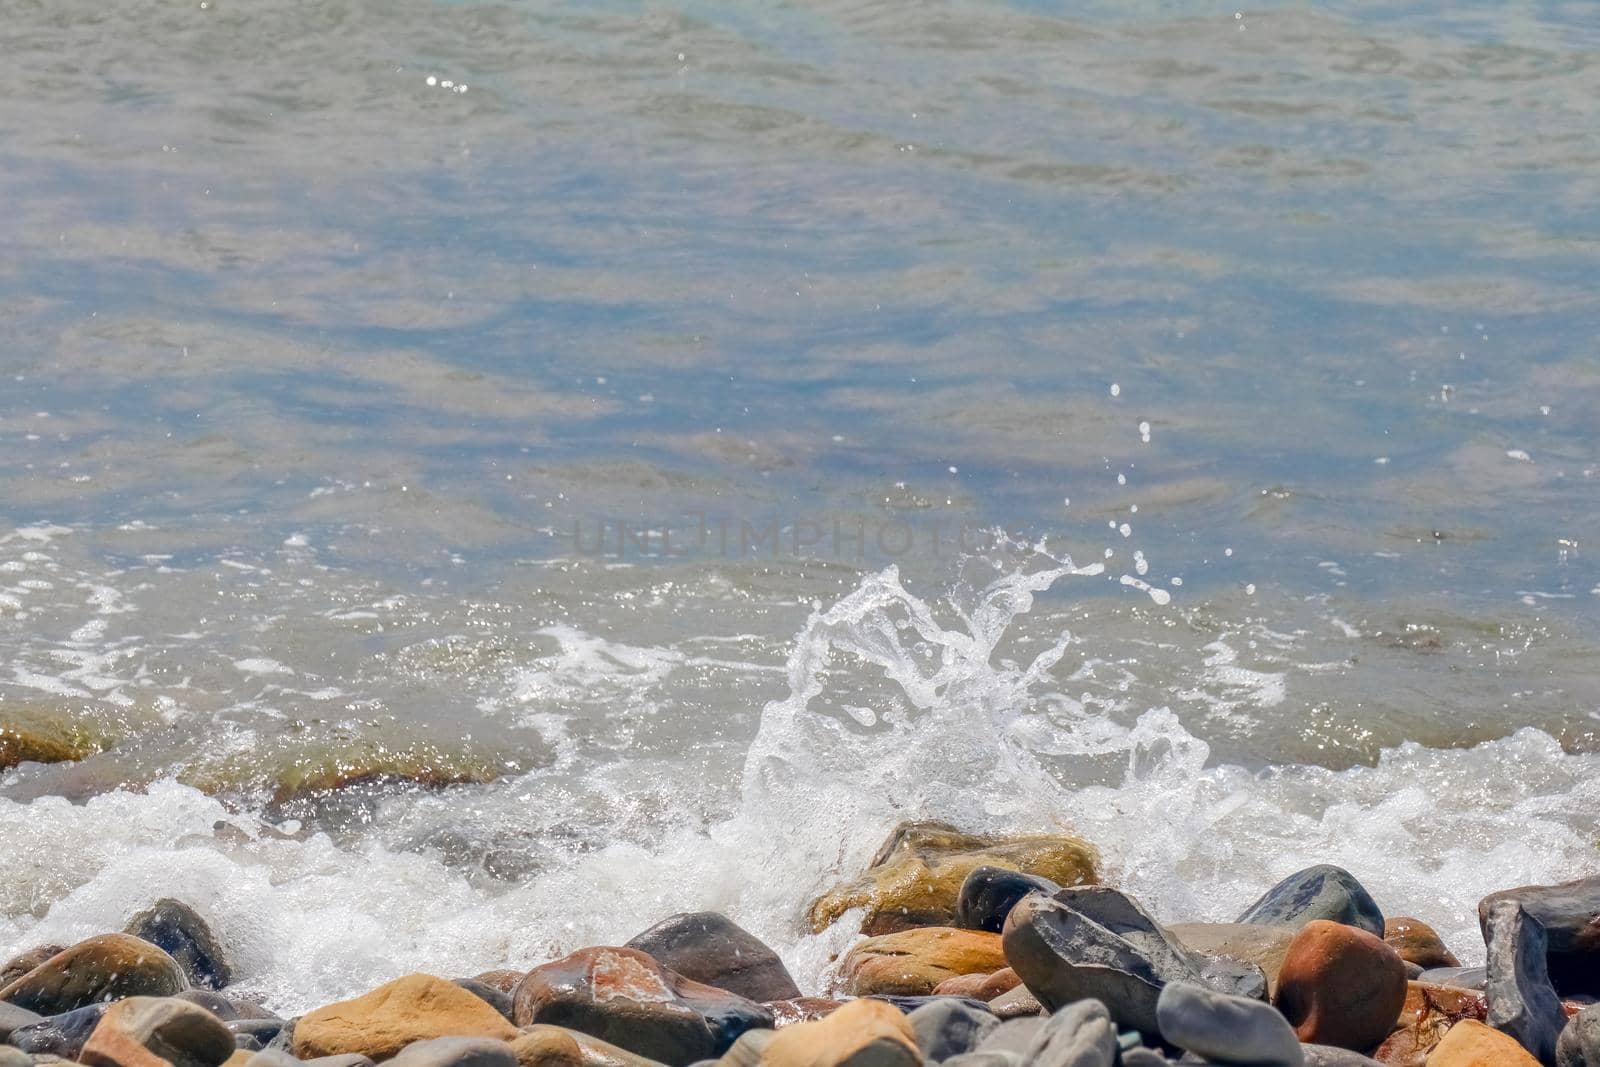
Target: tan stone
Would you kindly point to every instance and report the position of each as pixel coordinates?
(547, 1046)
(1429, 1012)
(107, 967)
(157, 1032)
(1418, 943)
(862, 1033)
(1262, 944)
(1472, 1044)
(914, 962)
(240, 1057)
(916, 877)
(381, 1023)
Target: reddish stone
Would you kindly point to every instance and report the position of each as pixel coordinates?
(1429, 1012)
(1341, 986)
(983, 987)
(1418, 943)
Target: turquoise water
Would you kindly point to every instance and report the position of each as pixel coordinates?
(507, 432)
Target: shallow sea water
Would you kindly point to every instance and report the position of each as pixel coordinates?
(487, 476)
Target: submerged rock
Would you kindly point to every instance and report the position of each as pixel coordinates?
(1320, 892)
(379, 1024)
(1418, 943)
(1226, 1029)
(917, 875)
(1340, 986)
(1570, 915)
(178, 929)
(107, 967)
(157, 1032)
(1521, 1000)
(914, 962)
(627, 998)
(704, 946)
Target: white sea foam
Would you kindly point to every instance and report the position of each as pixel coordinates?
(961, 725)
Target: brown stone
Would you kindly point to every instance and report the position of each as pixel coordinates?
(983, 987)
(107, 967)
(23, 962)
(1262, 944)
(1340, 986)
(1429, 1011)
(504, 979)
(1472, 1044)
(915, 880)
(914, 962)
(547, 1046)
(626, 997)
(18, 745)
(862, 1033)
(157, 1032)
(379, 1024)
(1418, 943)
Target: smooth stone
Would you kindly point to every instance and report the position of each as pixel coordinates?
(23, 962)
(1259, 944)
(916, 877)
(909, 1004)
(61, 1035)
(745, 1052)
(155, 1032)
(457, 1052)
(984, 987)
(862, 1033)
(1570, 915)
(1428, 1013)
(107, 967)
(212, 1001)
(1329, 1056)
(1413, 972)
(914, 962)
(348, 1059)
(1320, 892)
(1418, 943)
(284, 1042)
(14, 1057)
(1461, 977)
(710, 948)
(1144, 1057)
(1017, 1003)
(1472, 1044)
(263, 1030)
(1341, 986)
(627, 998)
(985, 1059)
(547, 1046)
(1522, 1002)
(801, 1010)
(15, 1018)
(1094, 942)
(1014, 1036)
(1226, 1029)
(379, 1024)
(497, 999)
(988, 894)
(1579, 1044)
(948, 1027)
(178, 929)
(1079, 1035)
(503, 979)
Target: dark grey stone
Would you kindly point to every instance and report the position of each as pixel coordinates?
(497, 999)
(247, 1043)
(746, 1052)
(263, 1030)
(1320, 892)
(456, 1052)
(1331, 1056)
(1014, 1036)
(1459, 977)
(284, 1042)
(179, 929)
(989, 893)
(1522, 1002)
(708, 947)
(1079, 1035)
(909, 1004)
(61, 1035)
(1570, 915)
(1143, 1057)
(949, 1026)
(1579, 1044)
(1093, 941)
(15, 1018)
(1226, 1029)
